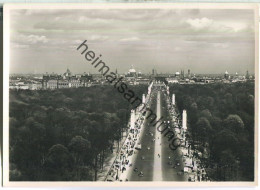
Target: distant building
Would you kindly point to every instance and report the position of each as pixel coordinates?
(50, 81)
(67, 74)
(189, 75)
(63, 84)
(182, 74)
(67, 80)
(139, 74)
(116, 73)
(247, 75)
(78, 76)
(143, 81)
(19, 86)
(74, 83)
(172, 80)
(35, 86)
(86, 80)
(177, 74)
(226, 75)
(52, 84)
(131, 72)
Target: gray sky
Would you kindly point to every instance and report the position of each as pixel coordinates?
(204, 41)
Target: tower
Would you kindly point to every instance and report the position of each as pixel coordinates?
(132, 122)
(143, 100)
(116, 73)
(247, 75)
(173, 99)
(182, 74)
(184, 120)
(226, 75)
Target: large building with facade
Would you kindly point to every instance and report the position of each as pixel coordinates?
(67, 80)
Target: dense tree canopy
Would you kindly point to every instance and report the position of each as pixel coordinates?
(221, 116)
(65, 134)
(234, 123)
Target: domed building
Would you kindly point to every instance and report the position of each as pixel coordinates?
(139, 74)
(131, 72)
(67, 74)
(226, 75)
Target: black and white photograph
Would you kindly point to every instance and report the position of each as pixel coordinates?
(115, 94)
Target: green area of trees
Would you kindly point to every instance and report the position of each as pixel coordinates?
(64, 134)
(221, 123)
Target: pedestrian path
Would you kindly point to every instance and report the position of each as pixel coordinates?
(124, 159)
(110, 159)
(192, 164)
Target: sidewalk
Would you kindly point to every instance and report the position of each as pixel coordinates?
(192, 168)
(120, 169)
(110, 158)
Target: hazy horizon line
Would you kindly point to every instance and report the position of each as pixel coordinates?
(185, 73)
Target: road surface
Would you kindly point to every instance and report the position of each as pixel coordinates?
(153, 159)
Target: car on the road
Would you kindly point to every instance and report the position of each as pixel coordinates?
(138, 147)
(117, 165)
(141, 174)
(191, 179)
(130, 152)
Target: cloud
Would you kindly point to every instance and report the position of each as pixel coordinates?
(210, 25)
(33, 39)
(221, 45)
(236, 26)
(30, 39)
(19, 46)
(141, 36)
(98, 38)
(129, 39)
(177, 49)
(199, 24)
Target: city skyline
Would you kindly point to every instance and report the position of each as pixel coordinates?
(208, 40)
(125, 72)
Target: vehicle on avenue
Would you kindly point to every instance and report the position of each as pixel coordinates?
(138, 147)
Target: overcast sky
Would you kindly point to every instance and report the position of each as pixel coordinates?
(204, 41)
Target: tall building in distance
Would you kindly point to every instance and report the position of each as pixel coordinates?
(247, 75)
(189, 75)
(154, 72)
(226, 75)
(182, 74)
(67, 74)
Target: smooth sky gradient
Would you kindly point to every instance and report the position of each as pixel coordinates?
(204, 41)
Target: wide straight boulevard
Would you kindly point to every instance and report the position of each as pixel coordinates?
(156, 161)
